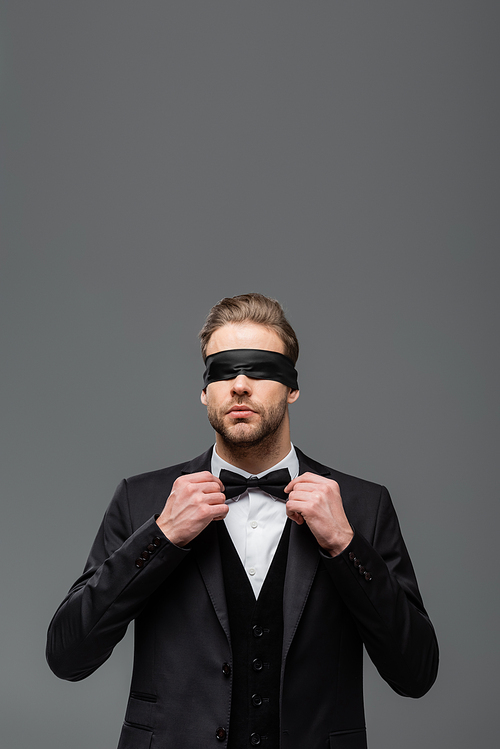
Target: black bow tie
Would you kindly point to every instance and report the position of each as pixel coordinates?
(273, 483)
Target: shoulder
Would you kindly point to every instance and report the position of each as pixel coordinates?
(163, 476)
(145, 494)
(345, 480)
(151, 479)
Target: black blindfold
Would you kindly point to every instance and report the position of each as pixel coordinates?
(251, 362)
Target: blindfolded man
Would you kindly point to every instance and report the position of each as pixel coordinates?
(249, 631)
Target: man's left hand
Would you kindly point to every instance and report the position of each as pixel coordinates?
(317, 500)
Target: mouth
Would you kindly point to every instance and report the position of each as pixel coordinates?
(240, 412)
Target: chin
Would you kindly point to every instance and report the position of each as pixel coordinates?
(240, 432)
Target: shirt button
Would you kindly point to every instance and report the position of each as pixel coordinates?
(251, 571)
(254, 524)
(226, 669)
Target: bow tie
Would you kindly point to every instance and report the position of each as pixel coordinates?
(273, 483)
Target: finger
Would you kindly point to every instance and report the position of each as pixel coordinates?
(297, 495)
(293, 507)
(215, 498)
(311, 478)
(219, 512)
(295, 516)
(306, 487)
(211, 486)
(298, 509)
(201, 477)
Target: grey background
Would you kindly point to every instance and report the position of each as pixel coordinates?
(339, 156)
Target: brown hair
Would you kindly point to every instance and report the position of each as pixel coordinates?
(255, 308)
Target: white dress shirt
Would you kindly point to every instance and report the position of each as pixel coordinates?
(256, 519)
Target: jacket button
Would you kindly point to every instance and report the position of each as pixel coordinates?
(156, 541)
(254, 739)
(220, 734)
(352, 556)
(139, 563)
(356, 562)
(226, 669)
(145, 555)
(256, 700)
(361, 569)
(151, 548)
(368, 576)
(257, 631)
(257, 664)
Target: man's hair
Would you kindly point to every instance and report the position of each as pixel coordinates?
(255, 308)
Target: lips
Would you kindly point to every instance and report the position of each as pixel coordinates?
(241, 412)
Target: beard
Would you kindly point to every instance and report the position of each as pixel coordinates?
(240, 437)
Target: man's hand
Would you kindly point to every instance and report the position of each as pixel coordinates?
(317, 500)
(195, 500)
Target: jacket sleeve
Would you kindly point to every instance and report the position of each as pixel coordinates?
(113, 590)
(377, 583)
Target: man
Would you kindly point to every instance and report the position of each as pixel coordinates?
(248, 631)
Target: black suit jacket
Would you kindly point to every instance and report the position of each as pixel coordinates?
(179, 693)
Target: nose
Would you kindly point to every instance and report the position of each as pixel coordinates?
(241, 385)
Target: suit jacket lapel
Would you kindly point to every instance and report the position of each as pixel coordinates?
(303, 560)
(205, 547)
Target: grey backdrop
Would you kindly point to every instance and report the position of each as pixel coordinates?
(340, 156)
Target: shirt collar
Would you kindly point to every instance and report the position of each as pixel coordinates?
(290, 461)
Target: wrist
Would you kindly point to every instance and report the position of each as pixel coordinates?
(339, 543)
(169, 533)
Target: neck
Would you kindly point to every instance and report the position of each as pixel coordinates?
(254, 458)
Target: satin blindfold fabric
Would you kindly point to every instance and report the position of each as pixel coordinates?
(255, 363)
(273, 483)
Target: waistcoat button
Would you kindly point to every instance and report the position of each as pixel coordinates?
(226, 669)
(254, 739)
(220, 734)
(257, 664)
(257, 631)
(256, 700)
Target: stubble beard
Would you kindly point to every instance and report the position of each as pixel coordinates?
(243, 439)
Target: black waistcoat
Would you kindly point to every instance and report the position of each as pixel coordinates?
(257, 642)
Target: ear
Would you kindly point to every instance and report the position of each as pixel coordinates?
(293, 395)
(203, 396)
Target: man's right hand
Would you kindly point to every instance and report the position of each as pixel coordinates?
(195, 500)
